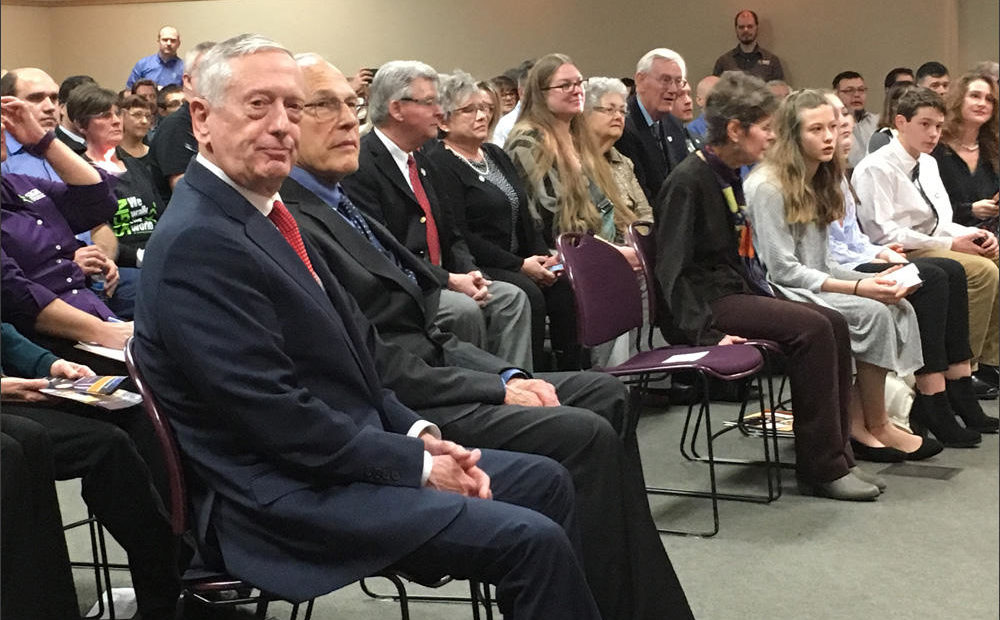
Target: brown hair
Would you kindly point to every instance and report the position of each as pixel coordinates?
(987, 138)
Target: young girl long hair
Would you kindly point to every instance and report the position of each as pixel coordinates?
(576, 211)
(817, 200)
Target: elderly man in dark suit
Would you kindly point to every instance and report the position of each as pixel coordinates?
(395, 185)
(552, 414)
(308, 473)
(653, 137)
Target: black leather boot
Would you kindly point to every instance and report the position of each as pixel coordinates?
(962, 397)
(933, 413)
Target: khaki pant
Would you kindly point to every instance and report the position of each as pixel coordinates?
(984, 304)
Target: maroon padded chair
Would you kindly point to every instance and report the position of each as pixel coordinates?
(608, 304)
(640, 237)
(208, 588)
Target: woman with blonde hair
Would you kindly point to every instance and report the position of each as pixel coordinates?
(792, 199)
(569, 184)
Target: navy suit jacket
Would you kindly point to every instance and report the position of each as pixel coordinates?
(638, 143)
(379, 189)
(303, 479)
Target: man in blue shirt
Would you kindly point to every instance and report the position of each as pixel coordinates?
(164, 67)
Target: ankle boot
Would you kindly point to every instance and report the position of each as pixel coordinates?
(933, 413)
(962, 397)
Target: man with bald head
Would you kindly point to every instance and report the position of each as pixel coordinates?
(573, 418)
(698, 127)
(165, 66)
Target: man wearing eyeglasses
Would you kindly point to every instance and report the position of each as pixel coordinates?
(654, 139)
(850, 87)
(395, 185)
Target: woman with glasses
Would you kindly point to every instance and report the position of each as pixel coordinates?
(569, 183)
(604, 109)
(99, 118)
(137, 119)
(489, 204)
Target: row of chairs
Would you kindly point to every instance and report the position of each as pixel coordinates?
(609, 304)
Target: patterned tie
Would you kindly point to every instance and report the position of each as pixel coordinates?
(433, 243)
(353, 215)
(286, 225)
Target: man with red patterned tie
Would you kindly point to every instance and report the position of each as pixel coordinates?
(395, 185)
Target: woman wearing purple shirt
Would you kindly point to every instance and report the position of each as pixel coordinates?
(44, 291)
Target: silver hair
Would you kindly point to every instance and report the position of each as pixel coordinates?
(308, 59)
(211, 76)
(988, 67)
(736, 96)
(392, 83)
(455, 89)
(193, 56)
(597, 87)
(646, 62)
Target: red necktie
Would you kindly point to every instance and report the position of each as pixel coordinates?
(433, 244)
(286, 225)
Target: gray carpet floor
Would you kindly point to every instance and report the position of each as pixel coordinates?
(929, 548)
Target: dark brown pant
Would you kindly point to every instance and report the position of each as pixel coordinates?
(818, 350)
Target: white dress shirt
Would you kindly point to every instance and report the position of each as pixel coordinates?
(892, 208)
(504, 125)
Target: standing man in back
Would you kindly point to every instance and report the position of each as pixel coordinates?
(164, 67)
(749, 56)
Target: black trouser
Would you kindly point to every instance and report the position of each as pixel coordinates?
(554, 301)
(37, 582)
(942, 306)
(117, 487)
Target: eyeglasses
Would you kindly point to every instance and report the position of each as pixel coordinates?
(609, 110)
(566, 87)
(666, 80)
(326, 110)
(426, 101)
(473, 108)
(851, 91)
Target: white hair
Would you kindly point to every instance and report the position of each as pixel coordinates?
(597, 87)
(212, 75)
(646, 62)
(392, 83)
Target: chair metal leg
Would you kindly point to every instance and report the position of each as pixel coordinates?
(99, 563)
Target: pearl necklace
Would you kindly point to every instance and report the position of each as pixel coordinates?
(973, 148)
(481, 167)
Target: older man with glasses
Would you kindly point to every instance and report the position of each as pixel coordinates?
(395, 186)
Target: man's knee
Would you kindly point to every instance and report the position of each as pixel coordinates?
(507, 299)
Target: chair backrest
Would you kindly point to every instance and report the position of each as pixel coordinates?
(608, 299)
(640, 237)
(165, 435)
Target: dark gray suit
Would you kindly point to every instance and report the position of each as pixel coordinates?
(625, 562)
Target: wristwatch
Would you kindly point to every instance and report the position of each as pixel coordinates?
(38, 148)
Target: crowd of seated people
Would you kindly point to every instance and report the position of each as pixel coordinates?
(355, 302)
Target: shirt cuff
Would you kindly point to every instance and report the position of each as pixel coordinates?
(513, 373)
(428, 464)
(423, 425)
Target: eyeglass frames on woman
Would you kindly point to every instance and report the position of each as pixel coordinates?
(566, 87)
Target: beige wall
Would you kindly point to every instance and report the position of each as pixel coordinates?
(814, 39)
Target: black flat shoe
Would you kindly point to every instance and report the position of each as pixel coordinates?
(865, 452)
(933, 413)
(927, 449)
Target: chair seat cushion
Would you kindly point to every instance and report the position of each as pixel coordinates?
(723, 362)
